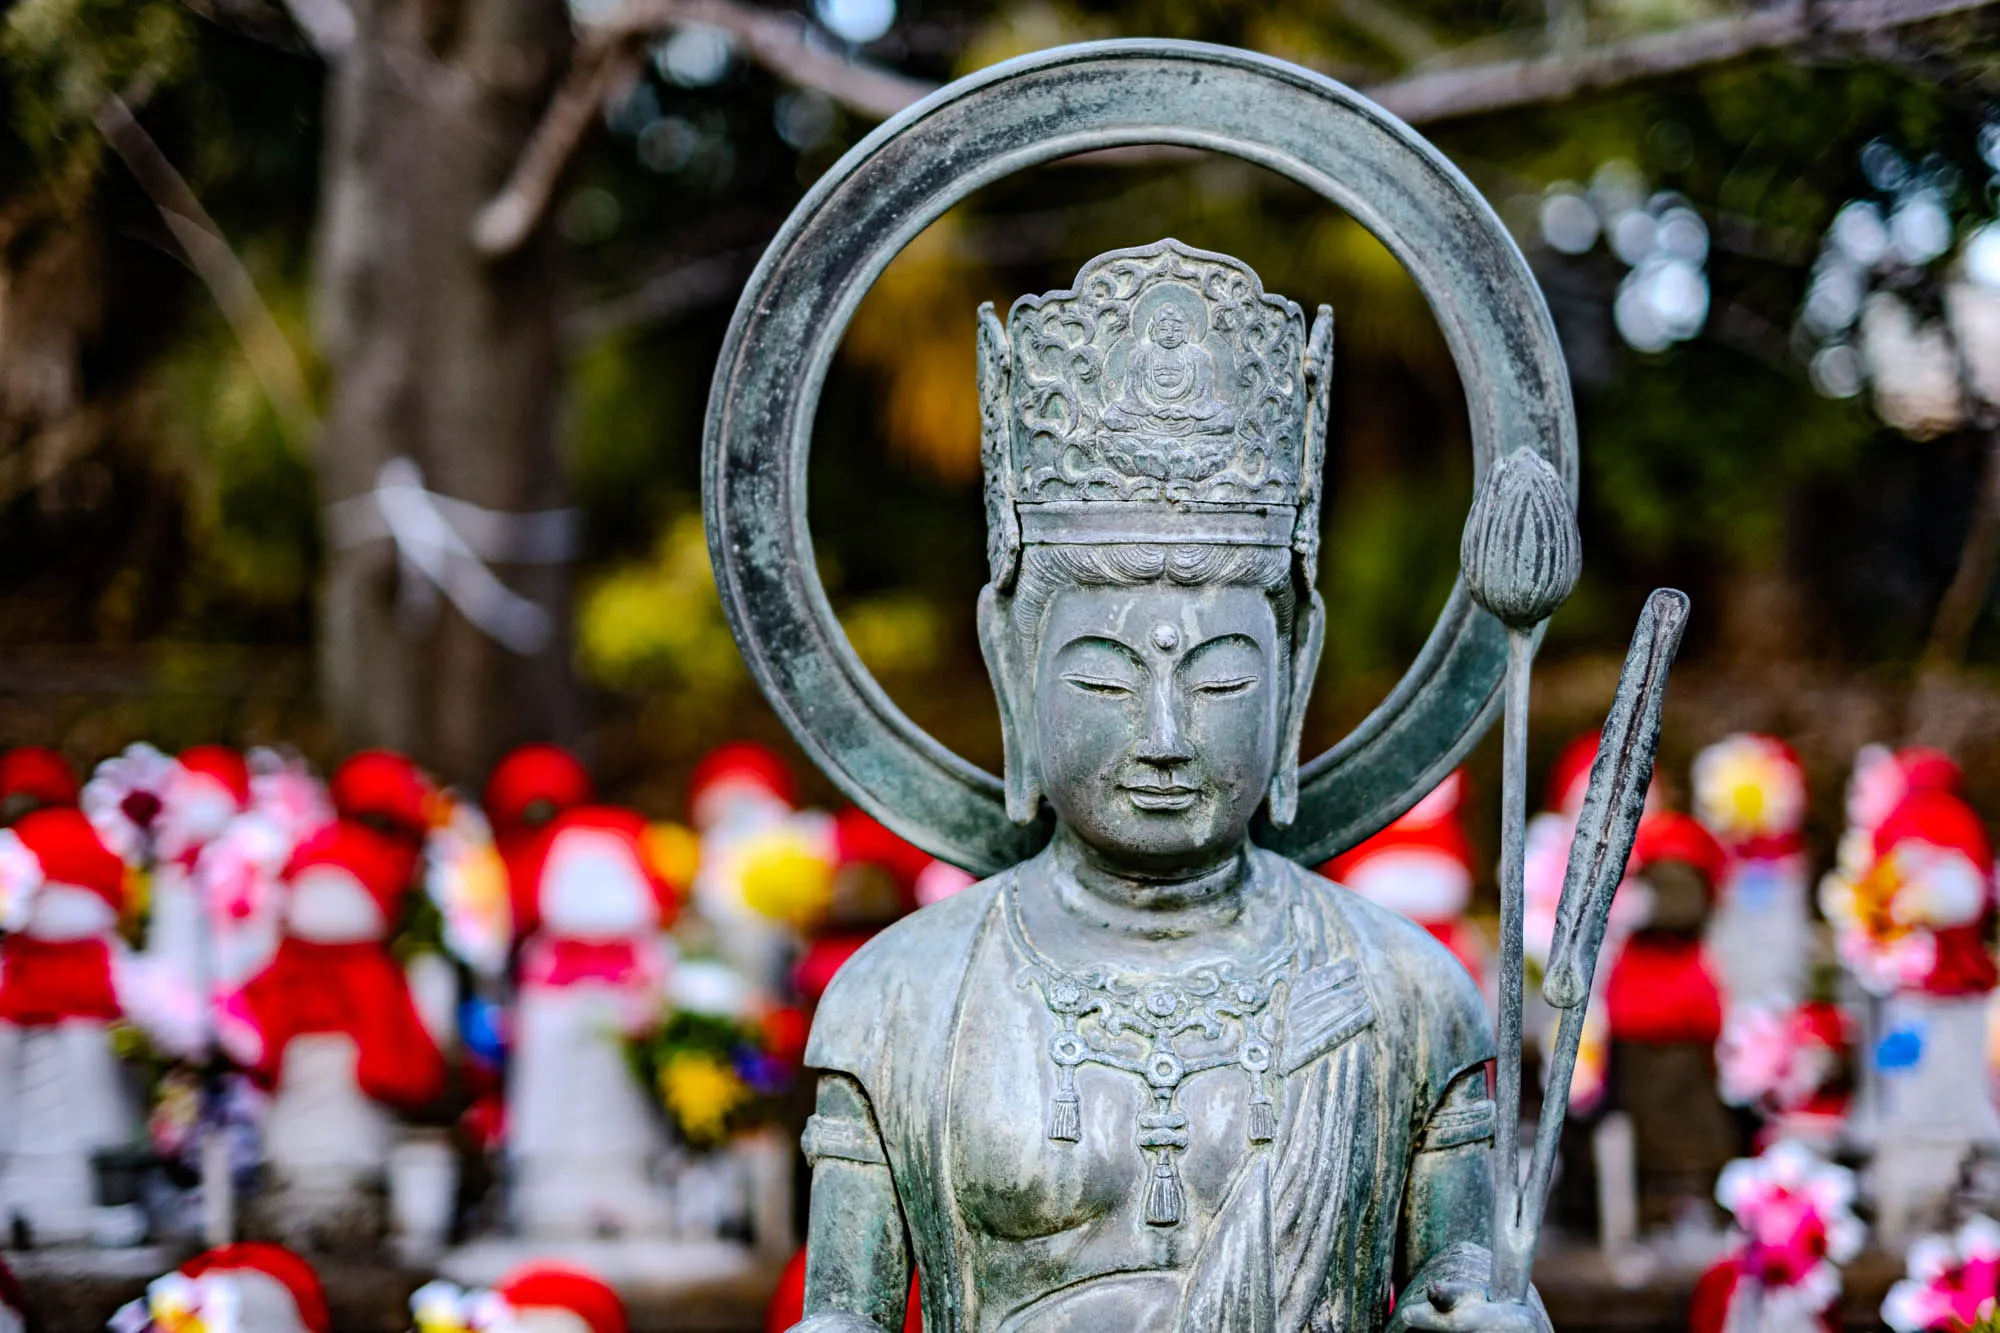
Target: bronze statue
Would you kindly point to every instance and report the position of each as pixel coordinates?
(1151, 1073)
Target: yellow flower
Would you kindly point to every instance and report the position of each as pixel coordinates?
(700, 1091)
(674, 853)
(784, 875)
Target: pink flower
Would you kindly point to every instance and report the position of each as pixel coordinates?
(1796, 1224)
(1954, 1280)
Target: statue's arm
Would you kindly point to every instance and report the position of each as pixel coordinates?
(1448, 1220)
(857, 1253)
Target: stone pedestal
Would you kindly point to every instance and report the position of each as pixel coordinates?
(326, 1149)
(62, 1100)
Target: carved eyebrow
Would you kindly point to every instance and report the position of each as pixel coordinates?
(1209, 647)
(1086, 642)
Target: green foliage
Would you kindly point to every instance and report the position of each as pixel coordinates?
(62, 58)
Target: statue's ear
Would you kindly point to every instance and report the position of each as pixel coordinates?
(1308, 634)
(1013, 686)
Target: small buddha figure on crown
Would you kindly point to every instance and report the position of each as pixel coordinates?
(1169, 384)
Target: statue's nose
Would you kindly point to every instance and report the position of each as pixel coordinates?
(1165, 740)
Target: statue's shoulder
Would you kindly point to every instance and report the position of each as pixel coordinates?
(1415, 980)
(905, 977)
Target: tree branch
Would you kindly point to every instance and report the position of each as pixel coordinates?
(787, 48)
(1447, 94)
(609, 55)
(269, 352)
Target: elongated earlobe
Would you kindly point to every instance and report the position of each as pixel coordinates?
(1023, 771)
(1308, 635)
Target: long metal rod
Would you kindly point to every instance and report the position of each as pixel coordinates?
(1510, 1261)
(1614, 803)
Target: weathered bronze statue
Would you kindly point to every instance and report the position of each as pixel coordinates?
(1151, 1074)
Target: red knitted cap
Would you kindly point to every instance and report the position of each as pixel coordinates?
(276, 1262)
(70, 852)
(223, 764)
(743, 761)
(1672, 836)
(38, 773)
(383, 786)
(526, 868)
(531, 775)
(541, 1286)
(383, 865)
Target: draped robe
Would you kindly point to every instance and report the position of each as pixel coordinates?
(1380, 1041)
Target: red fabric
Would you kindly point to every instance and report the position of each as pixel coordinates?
(1716, 1289)
(1571, 773)
(70, 852)
(224, 765)
(1925, 769)
(1446, 837)
(1938, 819)
(560, 961)
(386, 787)
(743, 761)
(12, 1296)
(274, 1261)
(527, 866)
(1964, 964)
(1670, 836)
(1661, 993)
(530, 776)
(43, 982)
(859, 839)
(785, 1030)
(39, 773)
(788, 1302)
(824, 957)
(356, 990)
(384, 866)
(552, 1287)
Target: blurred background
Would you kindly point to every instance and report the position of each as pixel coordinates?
(256, 250)
(354, 356)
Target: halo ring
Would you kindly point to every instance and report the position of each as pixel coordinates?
(989, 125)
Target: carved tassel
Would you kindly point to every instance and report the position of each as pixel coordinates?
(1163, 1196)
(1263, 1119)
(1065, 1118)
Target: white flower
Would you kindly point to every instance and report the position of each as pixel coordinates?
(124, 798)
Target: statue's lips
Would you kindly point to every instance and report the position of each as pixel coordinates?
(1162, 798)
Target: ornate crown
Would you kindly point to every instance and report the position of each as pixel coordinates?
(1164, 398)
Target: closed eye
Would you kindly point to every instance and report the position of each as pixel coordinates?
(1098, 684)
(1237, 685)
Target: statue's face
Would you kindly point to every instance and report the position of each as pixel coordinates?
(1157, 710)
(1170, 327)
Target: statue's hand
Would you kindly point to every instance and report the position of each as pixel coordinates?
(1448, 1295)
(1452, 1307)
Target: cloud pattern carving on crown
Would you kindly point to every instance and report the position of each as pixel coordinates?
(1165, 373)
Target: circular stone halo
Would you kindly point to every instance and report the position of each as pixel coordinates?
(989, 125)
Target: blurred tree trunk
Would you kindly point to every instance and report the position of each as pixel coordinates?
(440, 356)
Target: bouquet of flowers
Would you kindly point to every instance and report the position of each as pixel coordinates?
(715, 1067)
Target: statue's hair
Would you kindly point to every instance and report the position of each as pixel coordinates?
(1046, 570)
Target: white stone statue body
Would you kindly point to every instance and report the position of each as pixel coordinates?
(584, 1141)
(62, 1096)
(334, 1029)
